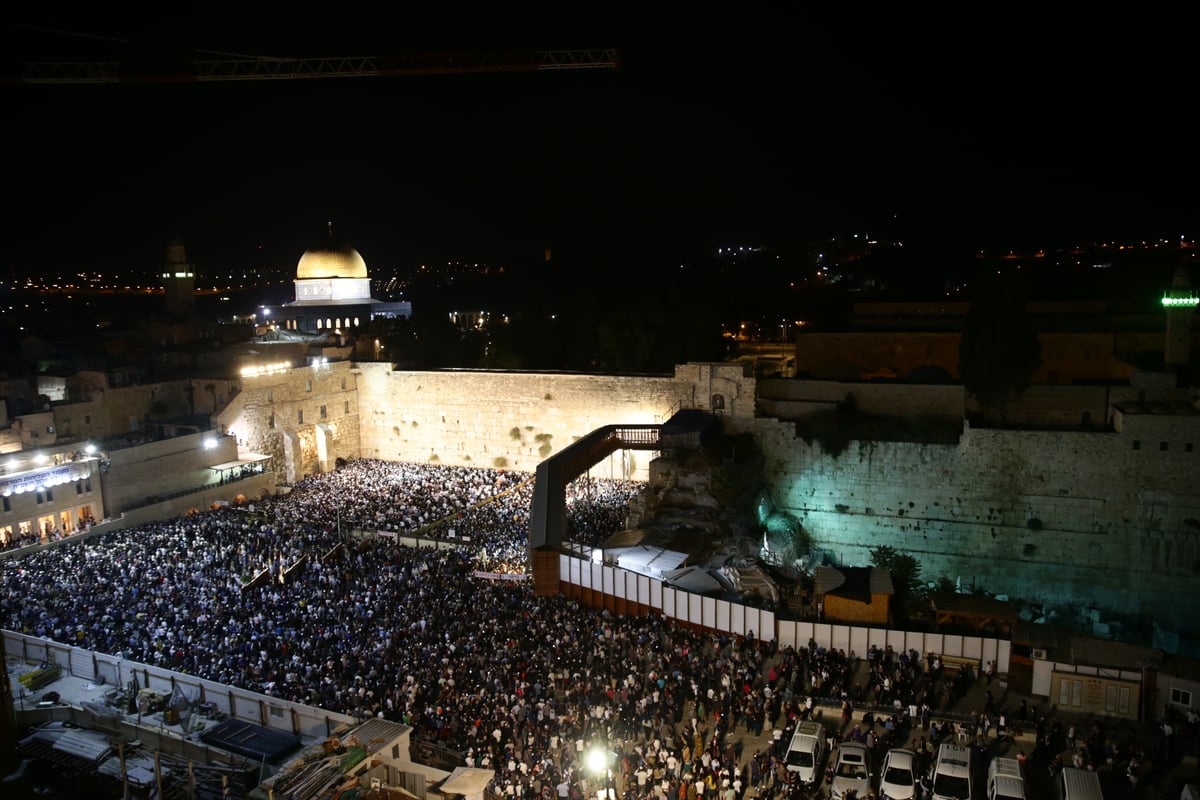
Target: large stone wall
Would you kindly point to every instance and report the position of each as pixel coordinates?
(794, 397)
(102, 412)
(1109, 519)
(1065, 517)
(507, 420)
(305, 418)
(164, 468)
(308, 417)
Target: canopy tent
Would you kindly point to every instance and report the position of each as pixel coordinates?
(243, 460)
(467, 781)
(697, 580)
(647, 560)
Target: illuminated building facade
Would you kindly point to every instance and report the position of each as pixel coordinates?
(49, 494)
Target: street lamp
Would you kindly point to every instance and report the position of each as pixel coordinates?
(599, 761)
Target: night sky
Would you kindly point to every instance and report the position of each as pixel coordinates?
(979, 132)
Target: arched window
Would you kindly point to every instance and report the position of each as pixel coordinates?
(318, 324)
(356, 322)
(718, 403)
(328, 323)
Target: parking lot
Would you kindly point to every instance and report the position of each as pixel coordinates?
(1039, 765)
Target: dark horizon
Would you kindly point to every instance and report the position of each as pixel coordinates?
(1029, 137)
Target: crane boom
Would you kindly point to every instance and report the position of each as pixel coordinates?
(258, 69)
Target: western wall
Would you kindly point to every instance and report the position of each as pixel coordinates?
(1105, 519)
(514, 420)
(1070, 519)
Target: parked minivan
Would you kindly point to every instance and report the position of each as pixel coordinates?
(953, 774)
(1005, 780)
(1073, 783)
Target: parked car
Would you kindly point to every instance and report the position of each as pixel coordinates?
(898, 775)
(851, 772)
(1073, 783)
(1005, 781)
(952, 778)
(807, 751)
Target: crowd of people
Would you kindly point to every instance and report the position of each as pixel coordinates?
(368, 628)
(522, 684)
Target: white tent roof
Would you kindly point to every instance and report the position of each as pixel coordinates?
(648, 560)
(467, 781)
(693, 579)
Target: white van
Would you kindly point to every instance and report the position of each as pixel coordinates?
(1074, 783)
(807, 751)
(953, 774)
(1005, 780)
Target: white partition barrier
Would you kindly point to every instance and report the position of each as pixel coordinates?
(765, 625)
(952, 645)
(862, 638)
(644, 596)
(786, 634)
(668, 603)
(83, 664)
(740, 620)
(722, 621)
(308, 722)
(933, 643)
(42, 650)
(695, 609)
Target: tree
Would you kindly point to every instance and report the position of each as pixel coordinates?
(906, 574)
(999, 350)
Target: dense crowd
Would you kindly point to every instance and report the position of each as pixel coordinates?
(521, 684)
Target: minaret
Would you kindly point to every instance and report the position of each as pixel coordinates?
(1179, 302)
(179, 283)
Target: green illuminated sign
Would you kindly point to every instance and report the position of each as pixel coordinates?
(1191, 302)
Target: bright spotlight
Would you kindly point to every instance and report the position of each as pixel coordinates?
(597, 761)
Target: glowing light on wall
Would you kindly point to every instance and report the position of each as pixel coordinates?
(266, 369)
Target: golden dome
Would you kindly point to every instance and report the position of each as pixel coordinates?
(331, 262)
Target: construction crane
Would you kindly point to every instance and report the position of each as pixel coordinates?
(266, 68)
